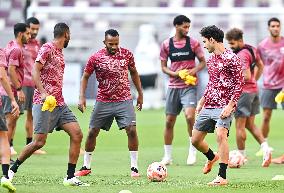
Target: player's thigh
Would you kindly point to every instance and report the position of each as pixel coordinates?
(125, 114)
(173, 102)
(102, 115)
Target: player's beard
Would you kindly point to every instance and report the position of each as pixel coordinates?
(66, 43)
(33, 36)
(111, 51)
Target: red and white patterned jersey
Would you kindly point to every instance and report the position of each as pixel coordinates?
(52, 72)
(112, 74)
(225, 80)
(3, 63)
(30, 53)
(14, 57)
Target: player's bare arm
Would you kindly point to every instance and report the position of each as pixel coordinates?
(83, 87)
(166, 70)
(199, 67)
(36, 78)
(136, 80)
(16, 83)
(228, 110)
(200, 105)
(259, 69)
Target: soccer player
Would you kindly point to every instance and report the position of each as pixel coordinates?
(111, 65)
(248, 104)
(271, 51)
(30, 53)
(15, 60)
(48, 78)
(182, 51)
(216, 106)
(4, 142)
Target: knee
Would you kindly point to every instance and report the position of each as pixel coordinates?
(194, 141)
(170, 123)
(221, 137)
(39, 143)
(190, 118)
(77, 136)
(131, 132)
(93, 133)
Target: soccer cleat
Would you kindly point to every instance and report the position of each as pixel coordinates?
(13, 152)
(209, 164)
(11, 175)
(278, 160)
(218, 181)
(39, 152)
(74, 182)
(191, 158)
(266, 159)
(166, 161)
(84, 171)
(260, 152)
(134, 173)
(6, 183)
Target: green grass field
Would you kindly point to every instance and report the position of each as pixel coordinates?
(110, 165)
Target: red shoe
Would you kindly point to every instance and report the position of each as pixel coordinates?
(83, 171)
(209, 164)
(218, 181)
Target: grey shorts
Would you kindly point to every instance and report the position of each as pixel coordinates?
(45, 122)
(29, 93)
(267, 98)
(248, 105)
(179, 98)
(209, 119)
(3, 126)
(6, 104)
(104, 113)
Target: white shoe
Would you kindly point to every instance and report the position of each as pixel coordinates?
(74, 182)
(266, 158)
(191, 158)
(13, 152)
(11, 175)
(167, 161)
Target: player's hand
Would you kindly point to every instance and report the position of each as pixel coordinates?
(139, 102)
(192, 71)
(199, 105)
(15, 109)
(43, 96)
(21, 96)
(82, 104)
(226, 112)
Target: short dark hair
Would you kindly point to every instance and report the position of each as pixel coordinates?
(111, 32)
(60, 29)
(234, 34)
(180, 19)
(32, 20)
(212, 31)
(273, 19)
(19, 27)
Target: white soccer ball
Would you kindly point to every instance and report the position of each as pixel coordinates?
(236, 159)
(157, 172)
